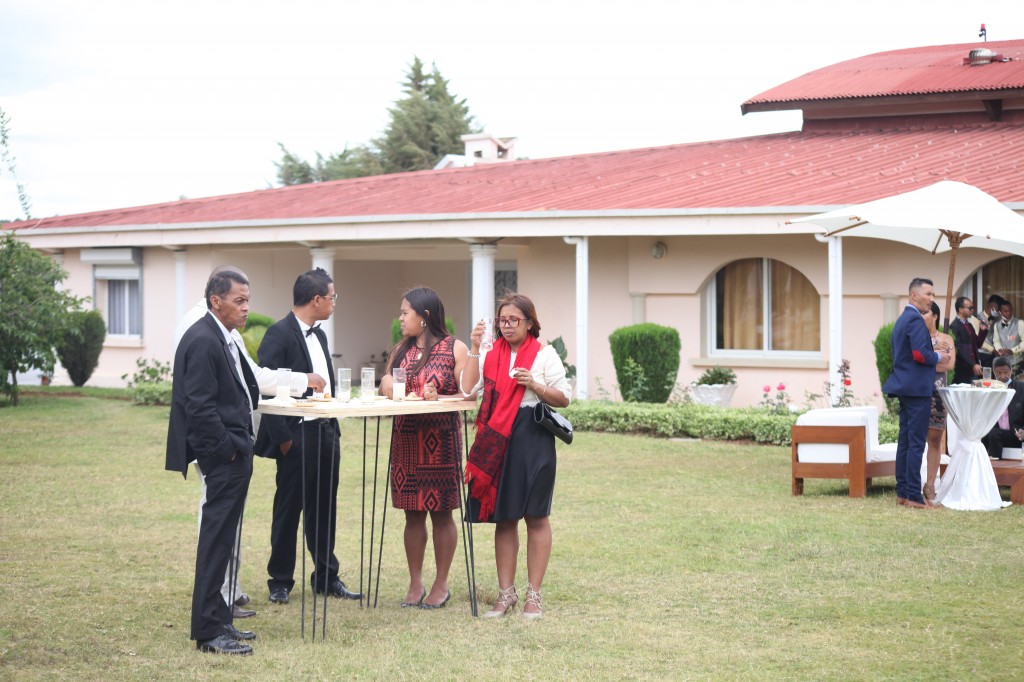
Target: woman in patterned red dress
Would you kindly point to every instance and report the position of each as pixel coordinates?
(426, 449)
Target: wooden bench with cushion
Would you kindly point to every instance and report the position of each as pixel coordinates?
(840, 443)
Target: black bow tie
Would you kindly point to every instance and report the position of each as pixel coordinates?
(1006, 324)
(312, 329)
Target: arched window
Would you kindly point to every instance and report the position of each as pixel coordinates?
(1004, 277)
(760, 305)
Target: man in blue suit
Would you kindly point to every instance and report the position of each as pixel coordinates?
(913, 381)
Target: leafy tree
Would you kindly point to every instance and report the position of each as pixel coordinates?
(8, 161)
(426, 124)
(33, 312)
(81, 343)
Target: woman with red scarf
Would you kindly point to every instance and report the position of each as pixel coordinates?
(511, 466)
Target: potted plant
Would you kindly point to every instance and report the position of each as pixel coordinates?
(714, 387)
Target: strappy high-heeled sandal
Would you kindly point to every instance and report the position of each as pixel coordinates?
(533, 597)
(504, 604)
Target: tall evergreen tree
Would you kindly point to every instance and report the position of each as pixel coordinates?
(427, 123)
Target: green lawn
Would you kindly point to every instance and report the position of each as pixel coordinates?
(672, 560)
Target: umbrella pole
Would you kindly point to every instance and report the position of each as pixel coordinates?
(954, 243)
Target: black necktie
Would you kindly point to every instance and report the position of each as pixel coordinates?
(312, 329)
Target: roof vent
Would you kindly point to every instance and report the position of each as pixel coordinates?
(980, 56)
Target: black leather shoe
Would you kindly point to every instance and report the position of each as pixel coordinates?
(238, 635)
(239, 612)
(243, 600)
(336, 588)
(224, 645)
(279, 596)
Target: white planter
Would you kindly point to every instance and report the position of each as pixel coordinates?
(712, 394)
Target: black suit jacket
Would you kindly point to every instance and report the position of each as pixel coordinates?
(211, 411)
(284, 345)
(1016, 407)
(966, 352)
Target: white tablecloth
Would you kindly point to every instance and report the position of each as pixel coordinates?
(969, 483)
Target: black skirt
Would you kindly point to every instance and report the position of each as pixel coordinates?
(528, 475)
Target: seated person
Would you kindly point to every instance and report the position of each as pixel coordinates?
(1005, 433)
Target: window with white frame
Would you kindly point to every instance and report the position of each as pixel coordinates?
(761, 306)
(117, 282)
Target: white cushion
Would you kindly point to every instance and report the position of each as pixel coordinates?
(828, 453)
(1012, 453)
(883, 453)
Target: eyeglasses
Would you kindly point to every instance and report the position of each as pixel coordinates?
(512, 322)
(333, 297)
(969, 307)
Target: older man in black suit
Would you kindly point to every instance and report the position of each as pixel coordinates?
(306, 450)
(212, 400)
(1005, 432)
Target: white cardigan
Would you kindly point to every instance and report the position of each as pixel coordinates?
(547, 370)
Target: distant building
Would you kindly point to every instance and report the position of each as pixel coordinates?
(691, 236)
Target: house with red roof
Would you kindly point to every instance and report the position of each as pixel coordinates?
(692, 236)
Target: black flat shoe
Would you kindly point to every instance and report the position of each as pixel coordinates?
(425, 605)
(224, 645)
(279, 596)
(238, 635)
(410, 604)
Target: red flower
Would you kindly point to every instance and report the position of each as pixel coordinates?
(767, 388)
(847, 382)
(780, 387)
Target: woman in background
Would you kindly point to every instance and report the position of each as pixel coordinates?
(937, 420)
(426, 449)
(511, 466)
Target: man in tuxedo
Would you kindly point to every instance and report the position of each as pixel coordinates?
(234, 595)
(913, 381)
(1008, 338)
(1004, 433)
(306, 449)
(968, 342)
(212, 399)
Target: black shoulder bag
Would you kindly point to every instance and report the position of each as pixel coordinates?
(544, 415)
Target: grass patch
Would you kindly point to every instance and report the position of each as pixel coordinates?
(672, 560)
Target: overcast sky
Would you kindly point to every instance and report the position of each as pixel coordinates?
(115, 103)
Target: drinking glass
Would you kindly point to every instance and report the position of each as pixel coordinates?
(986, 373)
(398, 387)
(367, 385)
(343, 386)
(487, 340)
(284, 384)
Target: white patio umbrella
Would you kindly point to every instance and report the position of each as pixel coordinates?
(942, 217)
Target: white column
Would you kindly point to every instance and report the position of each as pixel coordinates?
(835, 314)
(582, 317)
(483, 281)
(639, 308)
(180, 259)
(324, 258)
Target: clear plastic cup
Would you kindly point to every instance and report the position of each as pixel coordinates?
(398, 386)
(986, 373)
(367, 385)
(487, 340)
(343, 385)
(284, 384)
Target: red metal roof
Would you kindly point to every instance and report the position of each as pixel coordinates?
(913, 71)
(810, 168)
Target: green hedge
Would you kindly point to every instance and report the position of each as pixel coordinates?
(153, 393)
(80, 344)
(695, 421)
(646, 359)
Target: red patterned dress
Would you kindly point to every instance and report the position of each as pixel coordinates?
(426, 449)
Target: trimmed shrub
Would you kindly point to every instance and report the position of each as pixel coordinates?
(646, 359)
(80, 344)
(682, 421)
(255, 327)
(883, 352)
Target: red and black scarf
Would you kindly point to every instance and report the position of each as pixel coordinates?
(498, 409)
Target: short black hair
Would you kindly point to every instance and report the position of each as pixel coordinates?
(960, 302)
(918, 281)
(995, 298)
(220, 284)
(1002, 361)
(309, 285)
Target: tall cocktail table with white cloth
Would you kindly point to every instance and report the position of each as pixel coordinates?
(327, 409)
(969, 482)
